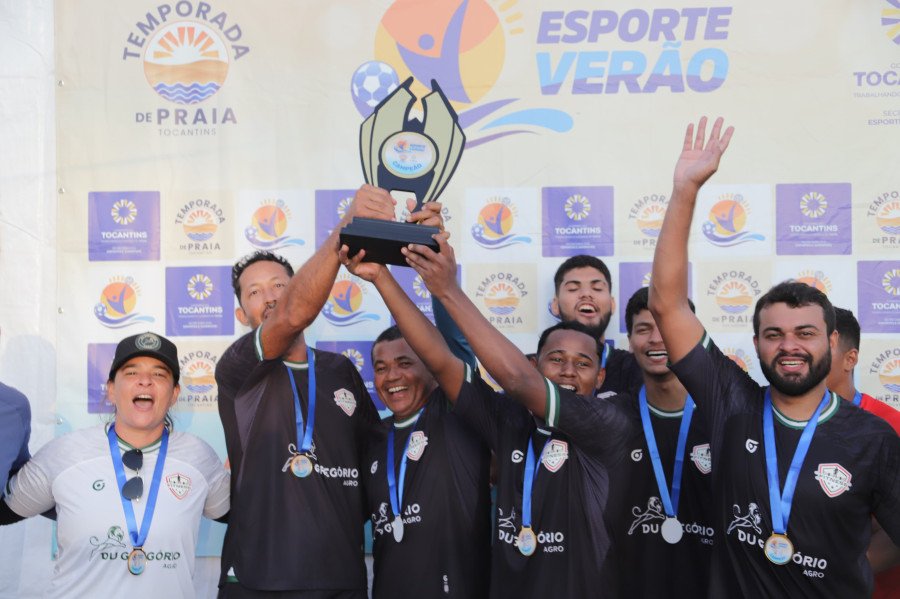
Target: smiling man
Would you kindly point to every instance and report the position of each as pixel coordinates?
(427, 480)
(797, 471)
(554, 442)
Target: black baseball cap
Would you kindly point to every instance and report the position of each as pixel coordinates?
(146, 344)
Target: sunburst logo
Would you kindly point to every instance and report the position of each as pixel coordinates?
(891, 281)
(344, 305)
(815, 279)
(650, 219)
(645, 280)
(186, 62)
(420, 289)
(727, 220)
(200, 225)
(734, 297)
(813, 204)
(890, 18)
(117, 307)
(577, 207)
(355, 356)
(502, 299)
(888, 218)
(494, 229)
(343, 206)
(268, 226)
(889, 375)
(123, 212)
(199, 375)
(739, 357)
(200, 287)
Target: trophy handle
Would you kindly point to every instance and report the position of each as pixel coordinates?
(387, 118)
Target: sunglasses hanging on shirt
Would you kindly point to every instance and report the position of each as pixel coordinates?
(133, 459)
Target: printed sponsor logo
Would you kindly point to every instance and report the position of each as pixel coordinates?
(123, 225)
(726, 223)
(344, 305)
(117, 307)
(198, 379)
(495, 228)
(834, 479)
(751, 445)
(268, 226)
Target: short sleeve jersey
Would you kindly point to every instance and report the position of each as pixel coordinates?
(445, 548)
(648, 566)
(75, 474)
(570, 490)
(849, 474)
(288, 533)
(882, 410)
(623, 375)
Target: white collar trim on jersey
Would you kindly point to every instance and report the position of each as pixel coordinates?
(827, 413)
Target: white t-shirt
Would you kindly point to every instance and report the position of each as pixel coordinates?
(75, 474)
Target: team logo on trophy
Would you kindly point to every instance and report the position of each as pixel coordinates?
(408, 157)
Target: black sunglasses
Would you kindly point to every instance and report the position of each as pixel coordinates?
(134, 487)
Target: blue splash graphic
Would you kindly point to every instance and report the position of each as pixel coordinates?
(709, 231)
(118, 323)
(199, 236)
(345, 321)
(252, 236)
(187, 94)
(498, 243)
(200, 388)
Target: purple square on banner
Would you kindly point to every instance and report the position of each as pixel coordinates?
(330, 207)
(100, 358)
(633, 276)
(878, 289)
(578, 220)
(199, 301)
(813, 218)
(360, 354)
(412, 284)
(123, 225)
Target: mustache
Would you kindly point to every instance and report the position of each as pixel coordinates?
(802, 356)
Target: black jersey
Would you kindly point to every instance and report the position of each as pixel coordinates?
(584, 440)
(285, 532)
(623, 375)
(446, 508)
(648, 566)
(849, 474)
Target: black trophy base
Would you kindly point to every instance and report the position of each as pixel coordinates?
(383, 239)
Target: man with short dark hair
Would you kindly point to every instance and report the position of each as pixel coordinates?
(583, 293)
(661, 506)
(797, 471)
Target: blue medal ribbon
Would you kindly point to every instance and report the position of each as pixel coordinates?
(780, 501)
(857, 399)
(669, 500)
(137, 539)
(605, 356)
(531, 469)
(395, 490)
(305, 437)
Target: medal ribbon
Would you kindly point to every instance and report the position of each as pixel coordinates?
(530, 474)
(857, 399)
(304, 438)
(605, 356)
(395, 491)
(780, 501)
(137, 539)
(669, 500)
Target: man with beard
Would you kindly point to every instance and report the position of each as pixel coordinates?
(583, 293)
(814, 467)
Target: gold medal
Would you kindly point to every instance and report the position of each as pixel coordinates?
(779, 549)
(137, 560)
(527, 541)
(301, 465)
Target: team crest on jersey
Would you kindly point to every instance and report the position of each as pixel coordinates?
(702, 458)
(555, 455)
(179, 484)
(417, 443)
(345, 401)
(833, 478)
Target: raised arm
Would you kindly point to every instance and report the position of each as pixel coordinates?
(308, 289)
(502, 359)
(680, 328)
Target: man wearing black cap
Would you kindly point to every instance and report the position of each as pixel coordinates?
(129, 494)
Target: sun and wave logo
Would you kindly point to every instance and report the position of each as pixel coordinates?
(462, 46)
(727, 220)
(891, 282)
(889, 375)
(650, 218)
(118, 302)
(186, 62)
(123, 212)
(198, 376)
(577, 207)
(502, 299)
(813, 205)
(268, 226)
(890, 18)
(344, 304)
(200, 225)
(739, 357)
(200, 287)
(494, 229)
(815, 279)
(888, 218)
(734, 297)
(355, 357)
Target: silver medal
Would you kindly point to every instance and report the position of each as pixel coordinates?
(397, 526)
(671, 530)
(301, 466)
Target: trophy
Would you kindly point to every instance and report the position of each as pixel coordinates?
(406, 157)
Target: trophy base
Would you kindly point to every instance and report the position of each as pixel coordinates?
(383, 239)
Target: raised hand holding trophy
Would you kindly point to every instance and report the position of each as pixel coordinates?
(408, 156)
